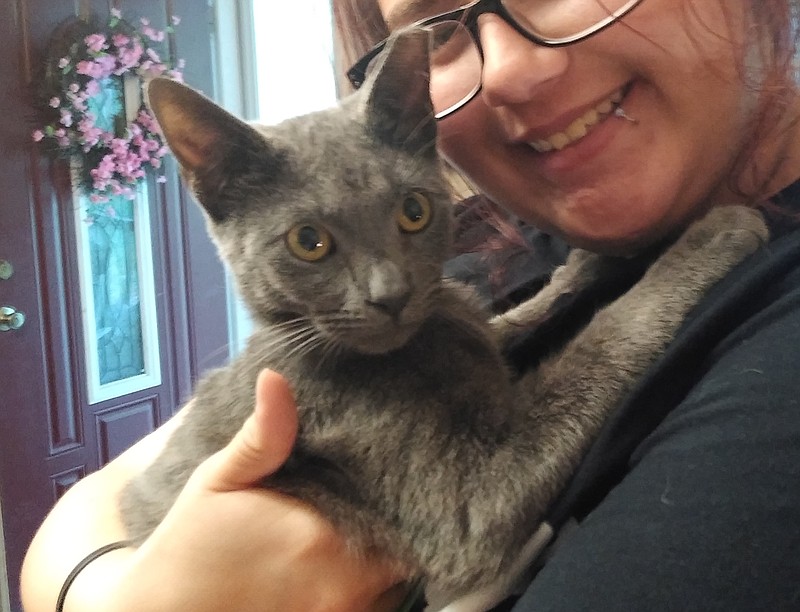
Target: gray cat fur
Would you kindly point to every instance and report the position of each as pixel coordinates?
(413, 438)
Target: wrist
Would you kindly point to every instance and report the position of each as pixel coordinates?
(93, 584)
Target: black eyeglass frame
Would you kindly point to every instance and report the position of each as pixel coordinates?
(468, 16)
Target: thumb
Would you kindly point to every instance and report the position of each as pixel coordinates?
(263, 443)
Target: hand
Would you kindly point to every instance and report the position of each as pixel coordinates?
(229, 545)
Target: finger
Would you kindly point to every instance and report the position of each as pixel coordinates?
(263, 443)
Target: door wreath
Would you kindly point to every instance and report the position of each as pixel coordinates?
(93, 91)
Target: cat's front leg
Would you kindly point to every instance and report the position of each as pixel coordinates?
(572, 393)
(562, 404)
(581, 270)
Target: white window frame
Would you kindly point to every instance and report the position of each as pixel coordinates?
(151, 377)
(236, 89)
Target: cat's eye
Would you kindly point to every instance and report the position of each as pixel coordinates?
(308, 242)
(414, 213)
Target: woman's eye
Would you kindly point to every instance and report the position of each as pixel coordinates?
(414, 213)
(308, 242)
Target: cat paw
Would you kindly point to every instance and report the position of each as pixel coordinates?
(580, 268)
(711, 247)
(738, 228)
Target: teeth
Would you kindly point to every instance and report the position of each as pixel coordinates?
(580, 127)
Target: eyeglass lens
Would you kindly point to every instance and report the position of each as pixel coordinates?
(456, 63)
(563, 19)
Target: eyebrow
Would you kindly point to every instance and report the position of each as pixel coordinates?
(415, 10)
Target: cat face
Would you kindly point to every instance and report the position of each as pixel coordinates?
(335, 224)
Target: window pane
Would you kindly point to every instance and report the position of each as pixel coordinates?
(115, 285)
(295, 72)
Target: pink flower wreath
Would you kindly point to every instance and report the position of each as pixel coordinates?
(87, 69)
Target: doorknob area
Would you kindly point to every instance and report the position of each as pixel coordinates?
(10, 319)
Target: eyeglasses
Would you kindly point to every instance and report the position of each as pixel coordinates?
(456, 55)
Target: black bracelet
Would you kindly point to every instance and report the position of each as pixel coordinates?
(62, 595)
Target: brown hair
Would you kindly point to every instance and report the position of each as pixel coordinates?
(359, 25)
(774, 39)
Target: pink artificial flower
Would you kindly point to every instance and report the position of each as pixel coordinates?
(104, 170)
(74, 87)
(90, 69)
(96, 42)
(66, 118)
(92, 88)
(153, 34)
(103, 66)
(38, 135)
(60, 133)
(63, 62)
(116, 13)
(153, 56)
(107, 64)
(79, 102)
(129, 56)
(148, 121)
(90, 134)
(64, 142)
(55, 102)
(120, 40)
(96, 198)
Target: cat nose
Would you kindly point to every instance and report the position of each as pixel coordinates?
(388, 290)
(391, 304)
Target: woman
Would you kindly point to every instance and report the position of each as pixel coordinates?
(612, 141)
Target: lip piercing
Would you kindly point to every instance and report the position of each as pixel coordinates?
(618, 112)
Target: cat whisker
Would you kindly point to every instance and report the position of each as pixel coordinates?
(331, 349)
(305, 346)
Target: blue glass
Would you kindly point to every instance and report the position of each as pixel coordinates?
(115, 285)
(106, 105)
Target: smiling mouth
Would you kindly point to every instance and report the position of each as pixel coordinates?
(581, 126)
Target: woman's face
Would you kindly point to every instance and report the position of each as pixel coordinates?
(624, 184)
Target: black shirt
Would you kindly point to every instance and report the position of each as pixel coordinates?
(690, 497)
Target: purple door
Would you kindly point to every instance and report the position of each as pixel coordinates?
(71, 398)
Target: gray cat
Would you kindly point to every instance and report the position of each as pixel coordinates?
(414, 439)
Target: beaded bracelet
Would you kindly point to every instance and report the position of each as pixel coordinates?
(62, 595)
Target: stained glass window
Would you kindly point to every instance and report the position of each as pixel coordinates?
(115, 288)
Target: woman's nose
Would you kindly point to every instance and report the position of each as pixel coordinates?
(514, 68)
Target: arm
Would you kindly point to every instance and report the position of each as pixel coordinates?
(225, 545)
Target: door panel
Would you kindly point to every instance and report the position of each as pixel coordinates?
(50, 433)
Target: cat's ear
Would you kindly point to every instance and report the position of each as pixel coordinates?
(398, 101)
(212, 146)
